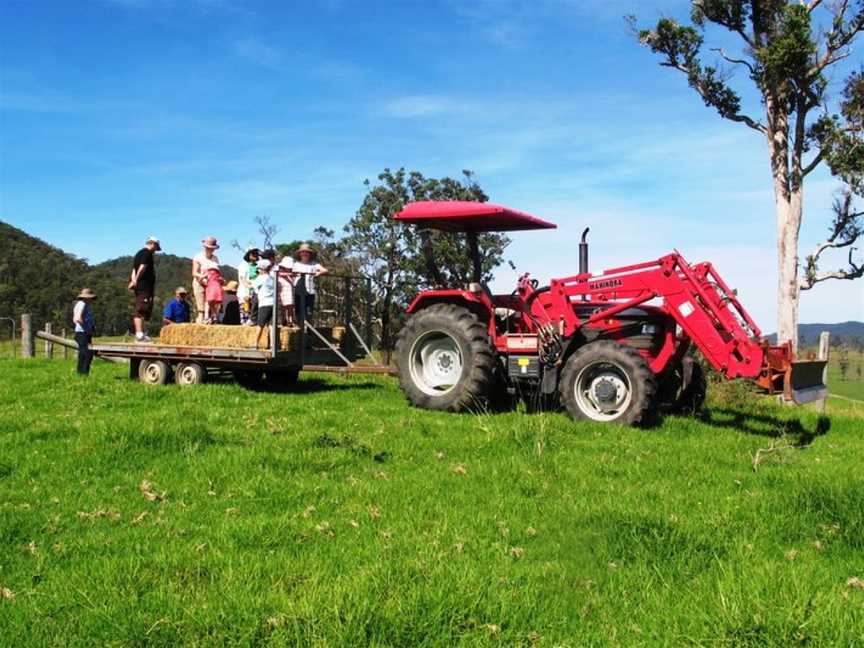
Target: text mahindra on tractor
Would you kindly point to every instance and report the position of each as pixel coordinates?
(613, 345)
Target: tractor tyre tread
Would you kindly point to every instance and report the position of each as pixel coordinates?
(643, 409)
(474, 389)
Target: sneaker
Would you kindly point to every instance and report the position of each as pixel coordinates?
(144, 339)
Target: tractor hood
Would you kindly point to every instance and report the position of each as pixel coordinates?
(464, 216)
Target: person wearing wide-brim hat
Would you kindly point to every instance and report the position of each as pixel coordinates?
(306, 269)
(247, 273)
(202, 263)
(176, 311)
(82, 318)
(230, 304)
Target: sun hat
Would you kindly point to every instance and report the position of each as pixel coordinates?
(264, 264)
(181, 289)
(305, 247)
(287, 263)
(231, 286)
(153, 239)
(249, 252)
(86, 293)
(210, 242)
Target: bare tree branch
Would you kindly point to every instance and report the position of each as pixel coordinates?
(812, 5)
(812, 165)
(846, 229)
(734, 61)
(842, 33)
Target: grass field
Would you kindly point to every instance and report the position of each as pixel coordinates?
(336, 515)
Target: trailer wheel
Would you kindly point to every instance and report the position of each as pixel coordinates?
(608, 382)
(445, 359)
(189, 373)
(154, 372)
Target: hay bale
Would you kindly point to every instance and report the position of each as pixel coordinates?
(222, 337)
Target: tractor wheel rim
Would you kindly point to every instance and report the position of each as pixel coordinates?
(603, 391)
(435, 363)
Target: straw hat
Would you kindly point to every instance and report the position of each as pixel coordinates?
(210, 242)
(231, 287)
(86, 293)
(180, 290)
(249, 252)
(305, 247)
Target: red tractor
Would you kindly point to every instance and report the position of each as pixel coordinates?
(612, 345)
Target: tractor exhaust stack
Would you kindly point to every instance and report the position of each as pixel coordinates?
(583, 252)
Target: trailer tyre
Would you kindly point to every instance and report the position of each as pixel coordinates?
(189, 373)
(154, 372)
(610, 383)
(445, 359)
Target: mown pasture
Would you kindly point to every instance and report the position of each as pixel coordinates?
(336, 515)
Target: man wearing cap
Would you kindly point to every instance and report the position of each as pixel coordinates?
(177, 310)
(143, 282)
(202, 263)
(82, 318)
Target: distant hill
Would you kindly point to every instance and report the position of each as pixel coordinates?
(40, 279)
(844, 332)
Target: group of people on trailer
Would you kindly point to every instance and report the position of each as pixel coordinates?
(248, 301)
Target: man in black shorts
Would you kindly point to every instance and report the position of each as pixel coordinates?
(143, 282)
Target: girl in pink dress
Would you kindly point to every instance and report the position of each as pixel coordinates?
(213, 295)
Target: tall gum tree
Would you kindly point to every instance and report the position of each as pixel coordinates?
(787, 47)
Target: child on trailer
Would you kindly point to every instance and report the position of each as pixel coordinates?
(213, 294)
(265, 288)
(286, 290)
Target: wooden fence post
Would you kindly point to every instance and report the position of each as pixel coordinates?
(27, 348)
(824, 354)
(65, 348)
(49, 345)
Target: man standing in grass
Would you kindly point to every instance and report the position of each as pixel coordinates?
(143, 282)
(82, 318)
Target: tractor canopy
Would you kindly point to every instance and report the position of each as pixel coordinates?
(466, 216)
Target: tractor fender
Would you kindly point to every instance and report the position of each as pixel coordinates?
(478, 304)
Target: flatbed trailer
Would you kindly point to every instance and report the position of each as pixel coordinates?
(311, 349)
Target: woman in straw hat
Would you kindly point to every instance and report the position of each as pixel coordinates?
(306, 269)
(202, 263)
(82, 318)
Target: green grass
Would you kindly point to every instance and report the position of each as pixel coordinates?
(337, 515)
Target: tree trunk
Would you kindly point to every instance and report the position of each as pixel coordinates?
(788, 226)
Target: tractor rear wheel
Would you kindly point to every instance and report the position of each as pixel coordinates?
(608, 382)
(445, 359)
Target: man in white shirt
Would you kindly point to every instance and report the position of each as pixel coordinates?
(265, 289)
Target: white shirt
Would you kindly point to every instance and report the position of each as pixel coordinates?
(265, 288)
(244, 288)
(308, 278)
(206, 264)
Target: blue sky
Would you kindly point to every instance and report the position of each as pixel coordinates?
(182, 118)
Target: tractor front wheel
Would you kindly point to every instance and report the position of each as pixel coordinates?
(608, 382)
(445, 359)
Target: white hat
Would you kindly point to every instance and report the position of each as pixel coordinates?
(286, 263)
(153, 239)
(264, 264)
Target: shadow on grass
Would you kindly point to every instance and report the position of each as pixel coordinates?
(766, 425)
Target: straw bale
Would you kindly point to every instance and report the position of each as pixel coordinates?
(223, 337)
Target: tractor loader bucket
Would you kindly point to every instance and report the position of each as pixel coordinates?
(804, 381)
(799, 381)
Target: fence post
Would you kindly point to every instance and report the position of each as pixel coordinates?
(824, 354)
(65, 348)
(49, 345)
(27, 348)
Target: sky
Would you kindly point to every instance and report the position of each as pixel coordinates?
(121, 119)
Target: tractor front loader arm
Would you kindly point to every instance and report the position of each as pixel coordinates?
(707, 311)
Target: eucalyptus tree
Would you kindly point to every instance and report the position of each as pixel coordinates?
(788, 49)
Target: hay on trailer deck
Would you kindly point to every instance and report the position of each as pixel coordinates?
(223, 337)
